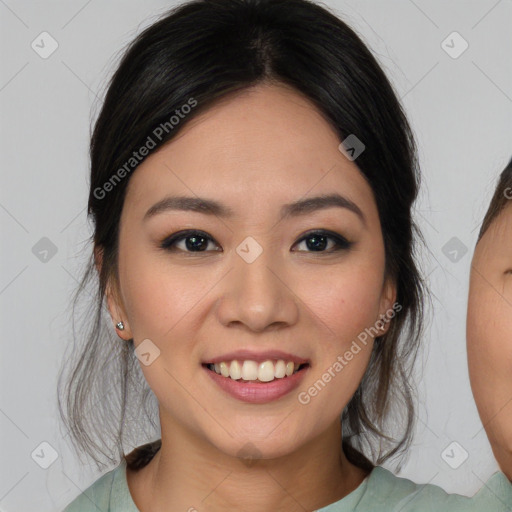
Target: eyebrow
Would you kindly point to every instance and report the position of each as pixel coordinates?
(211, 207)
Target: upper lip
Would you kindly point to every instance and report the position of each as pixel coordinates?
(258, 357)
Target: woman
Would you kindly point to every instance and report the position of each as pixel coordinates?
(252, 178)
(489, 322)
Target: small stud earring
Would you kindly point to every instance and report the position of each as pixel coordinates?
(120, 326)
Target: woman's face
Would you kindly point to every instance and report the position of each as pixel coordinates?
(489, 324)
(252, 280)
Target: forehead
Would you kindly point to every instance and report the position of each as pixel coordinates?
(498, 237)
(267, 142)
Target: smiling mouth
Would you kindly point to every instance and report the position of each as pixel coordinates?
(251, 371)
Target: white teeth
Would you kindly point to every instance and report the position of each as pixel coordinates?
(235, 372)
(224, 369)
(250, 370)
(280, 369)
(266, 371)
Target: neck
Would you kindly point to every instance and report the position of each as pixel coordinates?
(188, 473)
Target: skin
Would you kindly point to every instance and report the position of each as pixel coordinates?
(255, 152)
(489, 324)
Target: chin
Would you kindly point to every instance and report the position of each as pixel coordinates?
(250, 449)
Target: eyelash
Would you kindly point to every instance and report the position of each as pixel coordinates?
(168, 244)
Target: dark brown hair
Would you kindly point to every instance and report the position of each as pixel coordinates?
(207, 50)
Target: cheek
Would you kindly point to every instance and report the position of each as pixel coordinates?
(346, 300)
(489, 322)
(489, 337)
(156, 296)
(489, 343)
(491, 329)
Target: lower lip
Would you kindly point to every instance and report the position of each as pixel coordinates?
(258, 392)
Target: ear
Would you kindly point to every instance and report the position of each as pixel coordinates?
(114, 301)
(387, 301)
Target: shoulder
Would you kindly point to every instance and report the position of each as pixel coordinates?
(110, 493)
(97, 496)
(387, 490)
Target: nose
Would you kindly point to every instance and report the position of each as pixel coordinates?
(257, 296)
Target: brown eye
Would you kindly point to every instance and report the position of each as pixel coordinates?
(195, 241)
(317, 241)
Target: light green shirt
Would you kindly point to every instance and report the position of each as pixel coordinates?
(381, 491)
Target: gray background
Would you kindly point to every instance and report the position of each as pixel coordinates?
(460, 109)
